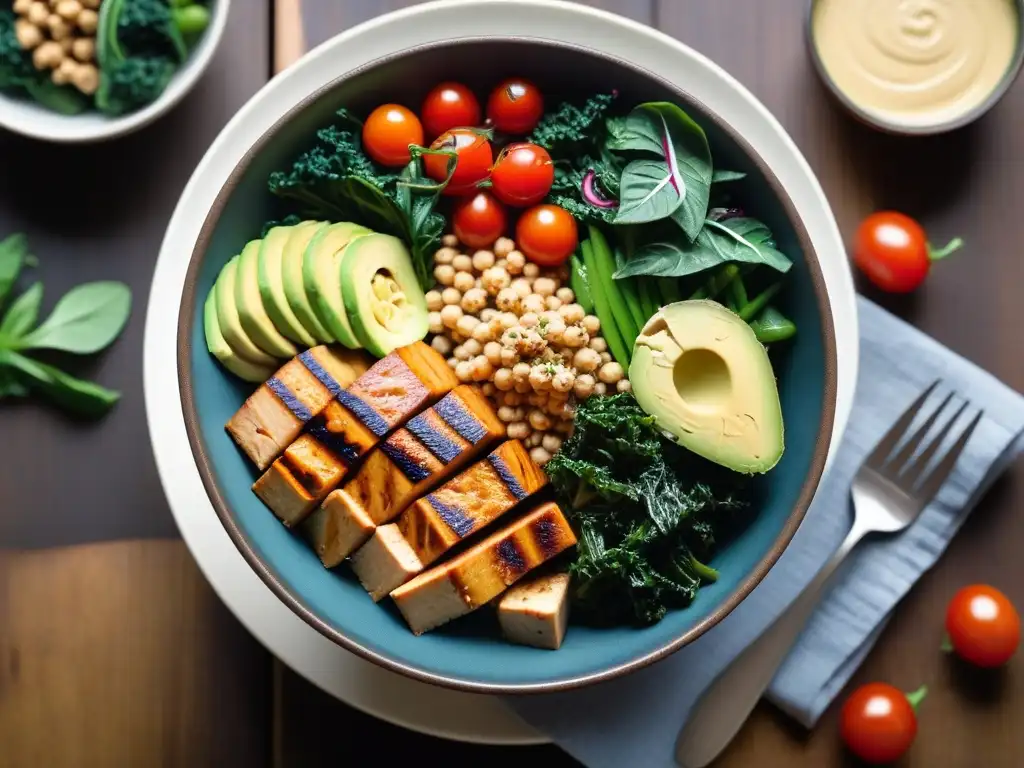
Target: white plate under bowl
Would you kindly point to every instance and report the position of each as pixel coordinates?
(415, 705)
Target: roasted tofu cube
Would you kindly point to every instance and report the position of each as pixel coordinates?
(440, 520)
(536, 611)
(431, 448)
(299, 479)
(385, 559)
(484, 571)
(387, 394)
(273, 416)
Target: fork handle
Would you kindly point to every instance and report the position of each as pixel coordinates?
(728, 701)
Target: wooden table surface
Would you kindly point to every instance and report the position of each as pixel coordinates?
(115, 652)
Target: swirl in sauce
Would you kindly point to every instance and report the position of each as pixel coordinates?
(916, 62)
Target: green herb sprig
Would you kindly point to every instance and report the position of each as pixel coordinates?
(85, 320)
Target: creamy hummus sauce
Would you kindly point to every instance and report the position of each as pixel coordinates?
(916, 62)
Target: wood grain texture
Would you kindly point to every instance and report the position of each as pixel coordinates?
(120, 654)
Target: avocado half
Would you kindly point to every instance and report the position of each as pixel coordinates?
(384, 301)
(220, 349)
(321, 266)
(701, 372)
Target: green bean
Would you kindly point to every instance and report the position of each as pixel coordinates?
(609, 329)
(771, 326)
(580, 283)
(631, 294)
(191, 20)
(604, 262)
(759, 302)
(649, 304)
(669, 287)
(717, 283)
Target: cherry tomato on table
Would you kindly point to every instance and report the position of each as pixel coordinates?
(388, 132)
(879, 722)
(449, 105)
(522, 174)
(983, 626)
(893, 251)
(547, 235)
(479, 220)
(473, 155)
(515, 106)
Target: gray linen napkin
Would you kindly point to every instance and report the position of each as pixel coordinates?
(634, 720)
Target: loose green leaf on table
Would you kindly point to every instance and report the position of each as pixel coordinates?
(13, 256)
(22, 315)
(87, 319)
(76, 395)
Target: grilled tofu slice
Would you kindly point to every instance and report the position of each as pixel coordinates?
(536, 611)
(394, 389)
(274, 414)
(456, 510)
(431, 448)
(484, 571)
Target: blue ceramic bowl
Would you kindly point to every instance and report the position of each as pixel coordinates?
(469, 654)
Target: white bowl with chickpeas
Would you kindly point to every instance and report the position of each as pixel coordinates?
(61, 41)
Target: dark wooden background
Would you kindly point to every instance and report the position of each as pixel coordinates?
(115, 652)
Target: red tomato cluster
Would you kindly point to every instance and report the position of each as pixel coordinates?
(521, 176)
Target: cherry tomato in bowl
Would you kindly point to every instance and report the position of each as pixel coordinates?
(983, 626)
(449, 105)
(893, 251)
(878, 722)
(515, 106)
(388, 132)
(473, 159)
(522, 174)
(547, 235)
(479, 220)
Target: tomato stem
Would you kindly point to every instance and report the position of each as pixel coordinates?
(953, 245)
(915, 698)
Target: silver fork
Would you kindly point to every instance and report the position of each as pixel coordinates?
(889, 491)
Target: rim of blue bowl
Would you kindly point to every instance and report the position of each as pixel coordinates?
(294, 601)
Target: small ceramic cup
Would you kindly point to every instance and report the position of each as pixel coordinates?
(946, 124)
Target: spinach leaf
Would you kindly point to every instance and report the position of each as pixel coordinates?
(742, 240)
(13, 256)
(720, 176)
(771, 326)
(76, 395)
(10, 385)
(86, 319)
(650, 190)
(22, 315)
(666, 130)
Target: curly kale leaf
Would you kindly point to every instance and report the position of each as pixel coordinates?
(15, 64)
(146, 28)
(569, 128)
(131, 84)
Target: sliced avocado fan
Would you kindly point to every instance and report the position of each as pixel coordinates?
(700, 371)
(320, 269)
(228, 321)
(223, 352)
(251, 312)
(383, 298)
(271, 282)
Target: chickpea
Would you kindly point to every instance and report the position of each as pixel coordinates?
(466, 325)
(574, 337)
(94, 4)
(494, 279)
(84, 49)
(492, 351)
(434, 323)
(503, 380)
(513, 399)
(508, 320)
(624, 385)
(445, 256)
(482, 368)
(554, 331)
(544, 286)
(450, 241)
(515, 262)
(598, 344)
(529, 320)
(584, 386)
(531, 344)
(38, 13)
(521, 372)
(523, 387)
(460, 353)
(556, 408)
(600, 389)
(434, 300)
(540, 378)
(464, 281)
(489, 389)
(539, 420)
(551, 443)
(552, 302)
(59, 27)
(572, 314)
(503, 246)
(482, 260)
(518, 430)
(533, 303)
(530, 270)
(450, 315)
(521, 287)
(507, 414)
(69, 9)
(444, 274)
(62, 74)
(591, 324)
(606, 357)
(488, 313)
(586, 360)
(442, 344)
(610, 373)
(87, 21)
(563, 380)
(565, 295)
(483, 333)
(452, 362)
(507, 300)
(48, 55)
(473, 347)
(28, 34)
(462, 263)
(21, 6)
